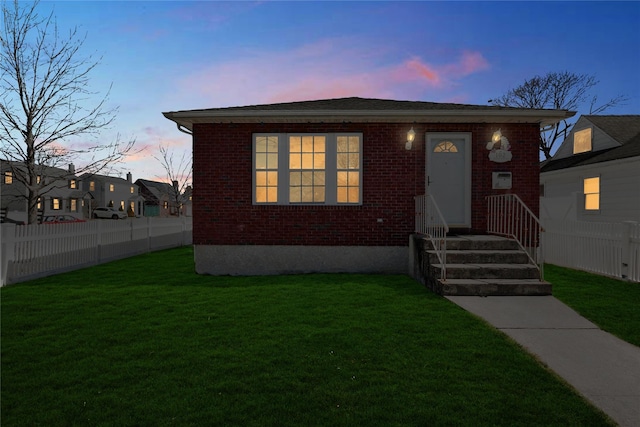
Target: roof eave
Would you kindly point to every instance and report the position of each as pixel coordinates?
(542, 117)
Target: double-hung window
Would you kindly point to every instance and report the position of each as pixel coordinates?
(306, 168)
(591, 190)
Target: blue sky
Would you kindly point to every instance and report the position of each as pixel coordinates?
(175, 55)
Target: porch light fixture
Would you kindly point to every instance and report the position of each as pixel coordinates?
(411, 135)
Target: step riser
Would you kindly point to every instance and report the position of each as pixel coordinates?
(486, 272)
(484, 258)
(471, 245)
(515, 289)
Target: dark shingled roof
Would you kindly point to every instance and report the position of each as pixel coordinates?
(359, 104)
(625, 129)
(367, 110)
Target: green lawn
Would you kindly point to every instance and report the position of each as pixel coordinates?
(613, 305)
(147, 342)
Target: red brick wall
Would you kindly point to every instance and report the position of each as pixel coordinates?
(223, 212)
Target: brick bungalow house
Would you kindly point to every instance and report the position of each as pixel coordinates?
(329, 185)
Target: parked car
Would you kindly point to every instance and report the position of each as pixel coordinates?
(109, 213)
(60, 219)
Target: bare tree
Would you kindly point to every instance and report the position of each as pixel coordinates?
(557, 90)
(178, 172)
(44, 95)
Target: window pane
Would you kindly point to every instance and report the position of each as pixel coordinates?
(318, 161)
(261, 179)
(592, 185)
(354, 195)
(295, 178)
(354, 161)
(307, 178)
(261, 144)
(354, 144)
(319, 144)
(295, 194)
(342, 195)
(261, 194)
(307, 161)
(592, 202)
(342, 179)
(343, 160)
(307, 144)
(272, 161)
(318, 178)
(318, 194)
(272, 194)
(272, 178)
(261, 161)
(295, 144)
(354, 178)
(343, 144)
(295, 161)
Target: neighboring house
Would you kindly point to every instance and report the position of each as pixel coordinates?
(60, 191)
(330, 185)
(114, 192)
(158, 198)
(595, 174)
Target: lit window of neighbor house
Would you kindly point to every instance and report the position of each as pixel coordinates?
(582, 141)
(591, 193)
(73, 205)
(132, 190)
(73, 184)
(56, 204)
(165, 205)
(318, 169)
(112, 188)
(8, 177)
(92, 186)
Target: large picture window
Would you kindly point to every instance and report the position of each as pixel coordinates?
(318, 169)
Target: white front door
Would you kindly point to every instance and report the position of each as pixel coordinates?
(449, 175)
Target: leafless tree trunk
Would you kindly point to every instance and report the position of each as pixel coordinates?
(178, 172)
(563, 91)
(43, 102)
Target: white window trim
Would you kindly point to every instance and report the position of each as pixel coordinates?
(330, 168)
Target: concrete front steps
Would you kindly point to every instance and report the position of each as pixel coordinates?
(483, 265)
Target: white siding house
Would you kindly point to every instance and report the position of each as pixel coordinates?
(595, 174)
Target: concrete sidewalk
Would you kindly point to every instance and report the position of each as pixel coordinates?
(603, 368)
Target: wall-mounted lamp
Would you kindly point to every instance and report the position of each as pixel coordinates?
(496, 136)
(411, 135)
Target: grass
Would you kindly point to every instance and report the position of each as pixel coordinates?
(611, 304)
(147, 342)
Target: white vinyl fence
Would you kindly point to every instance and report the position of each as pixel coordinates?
(603, 248)
(32, 251)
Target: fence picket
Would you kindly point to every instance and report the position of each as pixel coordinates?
(609, 249)
(32, 251)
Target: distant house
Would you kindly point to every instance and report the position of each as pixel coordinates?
(60, 191)
(109, 191)
(595, 174)
(159, 199)
(330, 185)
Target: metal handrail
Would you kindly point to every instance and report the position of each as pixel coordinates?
(430, 222)
(509, 216)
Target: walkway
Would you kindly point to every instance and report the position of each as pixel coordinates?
(603, 368)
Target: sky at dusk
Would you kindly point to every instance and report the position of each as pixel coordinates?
(178, 55)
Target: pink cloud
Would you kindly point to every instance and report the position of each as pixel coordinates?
(325, 69)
